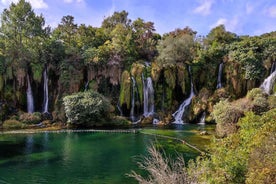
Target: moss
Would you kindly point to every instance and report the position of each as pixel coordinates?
(139, 83)
(13, 124)
(9, 73)
(37, 72)
(1, 83)
(169, 97)
(137, 69)
(155, 71)
(170, 76)
(182, 76)
(125, 89)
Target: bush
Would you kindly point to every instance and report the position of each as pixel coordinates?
(226, 116)
(28, 118)
(255, 93)
(86, 108)
(162, 169)
(13, 124)
(247, 156)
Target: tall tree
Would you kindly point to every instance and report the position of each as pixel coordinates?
(145, 38)
(66, 30)
(24, 34)
(177, 47)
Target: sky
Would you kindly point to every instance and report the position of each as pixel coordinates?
(243, 17)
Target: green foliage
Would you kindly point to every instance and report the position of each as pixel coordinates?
(170, 76)
(86, 108)
(248, 53)
(125, 89)
(246, 156)
(226, 116)
(1, 83)
(13, 124)
(176, 49)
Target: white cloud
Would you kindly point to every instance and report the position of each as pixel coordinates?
(249, 8)
(272, 11)
(230, 25)
(73, 1)
(204, 8)
(36, 4)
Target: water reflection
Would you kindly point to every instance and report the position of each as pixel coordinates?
(29, 144)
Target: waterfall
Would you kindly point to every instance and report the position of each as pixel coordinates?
(30, 99)
(45, 92)
(219, 85)
(268, 83)
(178, 115)
(148, 97)
(132, 99)
(202, 119)
(119, 109)
(86, 86)
(273, 68)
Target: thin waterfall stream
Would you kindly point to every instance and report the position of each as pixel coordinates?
(45, 92)
(132, 116)
(30, 98)
(219, 85)
(148, 97)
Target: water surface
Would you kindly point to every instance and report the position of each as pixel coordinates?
(83, 157)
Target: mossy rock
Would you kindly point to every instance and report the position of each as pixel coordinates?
(125, 91)
(13, 124)
(155, 71)
(170, 76)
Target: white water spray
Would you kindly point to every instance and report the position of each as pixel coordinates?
(45, 92)
(30, 99)
(148, 97)
(219, 85)
(178, 115)
(202, 119)
(268, 83)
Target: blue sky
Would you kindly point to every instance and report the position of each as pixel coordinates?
(243, 17)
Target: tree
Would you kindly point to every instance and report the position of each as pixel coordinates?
(177, 47)
(66, 30)
(110, 22)
(145, 38)
(86, 108)
(24, 34)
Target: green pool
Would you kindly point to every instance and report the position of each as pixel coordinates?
(84, 157)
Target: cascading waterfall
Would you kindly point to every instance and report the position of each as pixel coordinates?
(132, 117)
(202, 119)
(148, 97)
(273, 68)
(178, 115)
(30, 99)
(219, 85)
(45, 92)
(86, 85)
(268, 83)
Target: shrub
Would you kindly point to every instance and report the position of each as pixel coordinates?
(259, 100)
(28, 118)
(13, 124)
(255, 93)
(226, 116)
(162, 169)
(271, 101)
(86, 108)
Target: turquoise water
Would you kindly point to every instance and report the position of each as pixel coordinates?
(81, 157)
